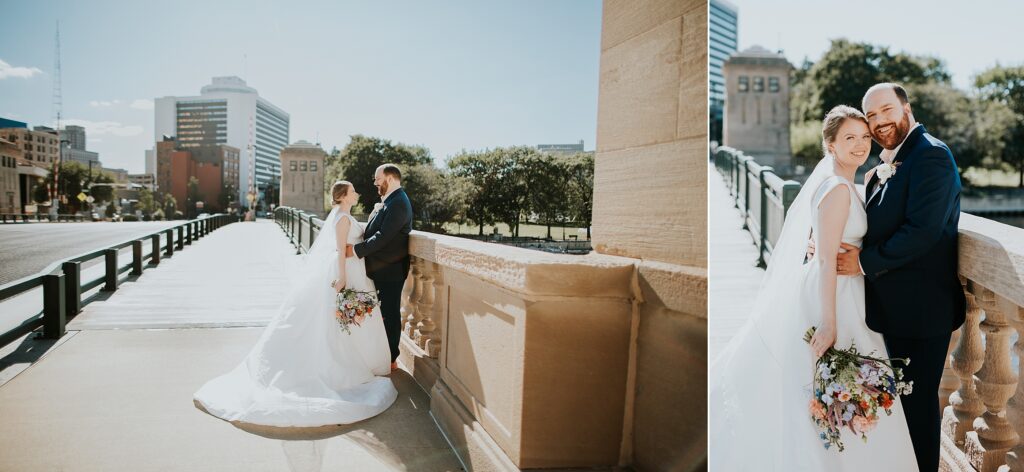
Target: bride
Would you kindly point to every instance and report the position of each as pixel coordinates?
(304, 370)
(760, 384)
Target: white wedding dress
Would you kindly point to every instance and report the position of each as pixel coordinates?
(760, 385)
(304, 370)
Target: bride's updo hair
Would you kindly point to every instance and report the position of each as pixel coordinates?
(339, 190)
(834, 119)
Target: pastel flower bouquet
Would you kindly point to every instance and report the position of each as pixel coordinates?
(850, 389)
(353, 306)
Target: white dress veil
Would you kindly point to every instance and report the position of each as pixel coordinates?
(303, 371)
(753, 423)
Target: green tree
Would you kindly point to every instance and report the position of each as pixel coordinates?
(847, 69)
(193, 196)
(74, 179)
(360, 158)
(546, 178)
(1005, 85)
(513, 190)
(436, 197)
(146, 202)
(170, 205)
(580, 189)
(478, 172)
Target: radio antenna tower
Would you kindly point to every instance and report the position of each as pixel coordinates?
(58, 106)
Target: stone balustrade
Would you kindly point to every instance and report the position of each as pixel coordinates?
(530, 358)
(984, 402)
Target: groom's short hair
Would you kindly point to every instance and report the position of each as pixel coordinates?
(392, 170)
(901, 93)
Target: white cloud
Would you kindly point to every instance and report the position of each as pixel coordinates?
(7, 70)
(103, 103)
(142, 104)
(100, 128)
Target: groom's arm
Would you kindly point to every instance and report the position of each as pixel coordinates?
(929, 202)
(391, 225)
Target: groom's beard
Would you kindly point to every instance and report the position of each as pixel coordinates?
(896, 137)
(382, 189)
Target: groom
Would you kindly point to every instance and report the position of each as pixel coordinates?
(909, 259)
(385, 247)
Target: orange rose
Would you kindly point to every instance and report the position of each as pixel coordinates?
(817, 409)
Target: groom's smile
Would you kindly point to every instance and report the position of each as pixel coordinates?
(889, 117)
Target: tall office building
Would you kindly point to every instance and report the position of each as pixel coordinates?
(75, 136)
(722, 42)
(228, 111)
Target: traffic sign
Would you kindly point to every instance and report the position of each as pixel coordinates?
(81, 196)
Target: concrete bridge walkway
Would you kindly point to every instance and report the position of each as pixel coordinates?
(116, 392)
(733, 276)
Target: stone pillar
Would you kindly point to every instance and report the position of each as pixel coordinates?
(650, 206)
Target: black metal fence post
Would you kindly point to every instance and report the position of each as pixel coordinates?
(155, 243)
(763, 226)
(188, 234)
(180, 244)
(110, 277)
(137, 257)
(72, 287)
(54, 319)
(310, 230)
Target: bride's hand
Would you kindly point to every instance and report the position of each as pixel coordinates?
(824, 337)
(337, 285)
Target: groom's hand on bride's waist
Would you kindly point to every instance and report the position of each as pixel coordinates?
(348, 251)
(848, 262)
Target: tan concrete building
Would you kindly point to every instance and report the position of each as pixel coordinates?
(38, 146)
(302, 177)
(10, 182)
(146, 180)
(757, 105)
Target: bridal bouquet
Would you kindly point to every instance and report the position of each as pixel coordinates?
(850, 389)
(353, 306)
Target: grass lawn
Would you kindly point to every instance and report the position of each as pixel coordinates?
(992, 178)
(525, 230)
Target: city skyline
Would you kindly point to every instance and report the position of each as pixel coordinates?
(448, 77)
(803, 29)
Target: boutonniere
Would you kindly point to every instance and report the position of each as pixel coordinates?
(885, 171)
(377, 207)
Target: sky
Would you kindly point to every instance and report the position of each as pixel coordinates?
(448, 75)
(968, 36)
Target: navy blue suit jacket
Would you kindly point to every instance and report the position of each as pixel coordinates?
(385, 246)
(909, 258)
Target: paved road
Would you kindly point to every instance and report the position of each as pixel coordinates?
(28, 248)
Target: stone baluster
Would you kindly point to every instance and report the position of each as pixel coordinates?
(967, 359)
(1015, 407)
(949, 382)
(425, 307)
(407, 305)
(414, 315)
(440, 315)
(997, 382)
